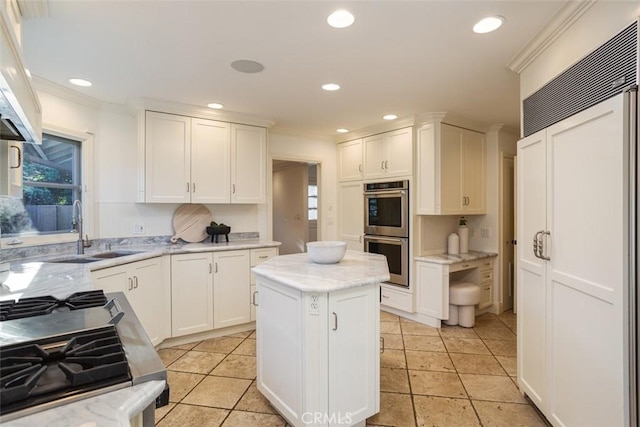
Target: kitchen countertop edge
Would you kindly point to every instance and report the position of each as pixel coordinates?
(448, 259)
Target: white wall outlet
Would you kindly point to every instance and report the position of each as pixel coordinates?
(138, 229)
(485, 232)
(472, 232)
(314, 306)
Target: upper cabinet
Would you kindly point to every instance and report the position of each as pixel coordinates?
(191, 160)
(388, 154)
(350, 164)
(450, 171)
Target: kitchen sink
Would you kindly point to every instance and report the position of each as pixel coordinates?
(114, 254)
(86, 259)
(75, 260)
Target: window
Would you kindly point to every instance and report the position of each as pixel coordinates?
(51, 182)
(313, 202)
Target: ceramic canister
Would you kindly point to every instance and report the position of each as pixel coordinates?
(453, 244)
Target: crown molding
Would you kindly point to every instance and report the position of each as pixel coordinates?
(499, 127)
(399, 123)
(44, 85)
(33, 8)
(569, 14)
(298, 133)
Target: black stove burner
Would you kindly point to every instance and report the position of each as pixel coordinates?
(36, 306)
(43, 370)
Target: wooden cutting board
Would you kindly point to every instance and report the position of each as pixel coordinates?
(190, 223)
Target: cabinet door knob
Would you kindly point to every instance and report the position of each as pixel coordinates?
(130, 283)
(233, 188)
(335, 321)
(386, 164)
(135, 281)
(193, 187)
(253, 298)
(187, 187)
(19, 157)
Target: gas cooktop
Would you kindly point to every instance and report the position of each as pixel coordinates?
(37, 306)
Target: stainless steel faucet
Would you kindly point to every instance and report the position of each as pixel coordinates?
(77, 226)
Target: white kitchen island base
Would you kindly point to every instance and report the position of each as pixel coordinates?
(318, 349)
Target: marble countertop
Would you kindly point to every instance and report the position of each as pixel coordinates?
(37, 277)
(452, 259)
(299, 272)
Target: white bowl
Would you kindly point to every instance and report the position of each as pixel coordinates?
(326, 252)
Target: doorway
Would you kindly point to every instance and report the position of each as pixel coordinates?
(295, 204)
(507, 232)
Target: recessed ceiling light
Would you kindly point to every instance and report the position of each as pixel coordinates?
(331, 86)
(80, 82)
(390, 117)
(342, 130)
(247, 66)
(488, 24)
(215, 105)
(341, 19)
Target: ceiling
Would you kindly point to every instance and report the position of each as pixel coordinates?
(400, 57)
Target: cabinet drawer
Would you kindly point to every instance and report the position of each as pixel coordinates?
(459, 266)
(400, 300)
(486, 276)
(485, 296)
(261, 255)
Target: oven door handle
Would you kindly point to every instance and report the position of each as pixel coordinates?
(390, 193)
(399, 240)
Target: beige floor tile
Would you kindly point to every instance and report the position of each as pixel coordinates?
(415, 328)
(254, 401)
(236, 366)
(197, 362)
(219, 345)
(488, 319)
(388, 317)
(443, 384)
(181, 383)
(495, 333)
(509, 319)
(188, 346)
(390, 328)
(423, 343)
(189, 415)
(501, 347)
(393, 359)
(429, 361)
(394, 380)
(465, 345)
(393, 342)
(247, 348)
(476, 364)
(253, 335)
(491, 387)
(444, 412)
(457, 332)
(499, 414)
(243, 334)
(395, 410)
(244, 419)
(219, 392)
(170, 355)
(162, 411)
(509, 363)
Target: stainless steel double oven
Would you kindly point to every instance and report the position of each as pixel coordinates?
(386, 226)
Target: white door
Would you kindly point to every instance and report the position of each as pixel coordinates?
(146, 296)
(191, 293)
(473, 161)
(210, 162)
(351, 214)
(374, 156)
(354, 353)
(507, 232)
(399, 152)
(114, 279)
(231, 286)
(248, 164)
(532, 294)
(167, 158)
(350, 160)
(451, 170)
(586, 215)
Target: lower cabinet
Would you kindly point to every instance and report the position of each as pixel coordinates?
(231, 284)
(142, 283)
(191, 293)
(318, 354)
(258, 256)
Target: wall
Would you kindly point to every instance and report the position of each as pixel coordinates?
(290, 207)
(311, 149)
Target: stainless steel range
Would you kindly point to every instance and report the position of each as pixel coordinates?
(54, 352)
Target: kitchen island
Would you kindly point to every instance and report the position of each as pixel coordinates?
(318, 337)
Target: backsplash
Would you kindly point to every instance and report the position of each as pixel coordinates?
(99, 245)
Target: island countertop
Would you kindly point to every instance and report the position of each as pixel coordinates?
(299, 272)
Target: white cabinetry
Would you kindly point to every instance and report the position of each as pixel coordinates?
(190, 160)
(11, 166)
(144, 287)
(571, 283)
(231, 284)
(258, 256)
(350, 163)
(388, 154)
(191, 293)
(451, 170)
(320, 358)
(351, 214)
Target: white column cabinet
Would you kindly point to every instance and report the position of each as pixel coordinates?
(350, 163)
(309, 352)
(191, 293)
(388, 154)
(570, 289)
(143, 285)
(231, 283)
(451, 168)
(351, 214)
(191, 160)
(258, 256)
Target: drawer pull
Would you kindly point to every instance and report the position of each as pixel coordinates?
(263, 256)
(335, 321)
(465, 265)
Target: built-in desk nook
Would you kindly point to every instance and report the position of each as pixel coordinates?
(435, 272)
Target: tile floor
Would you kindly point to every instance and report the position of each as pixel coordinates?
(452, 376)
